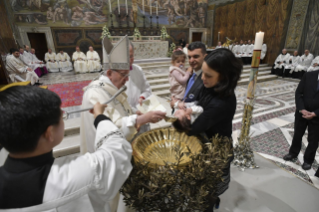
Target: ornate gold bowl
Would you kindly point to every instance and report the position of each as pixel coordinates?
(162, 146)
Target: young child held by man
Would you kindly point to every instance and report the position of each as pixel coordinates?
(186, 114)
(31, 179)
(178, 77)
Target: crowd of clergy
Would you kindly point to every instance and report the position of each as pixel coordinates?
(295, 66)
(23, 65)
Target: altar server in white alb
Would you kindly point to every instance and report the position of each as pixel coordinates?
(314, 65)
(64, 61)
(52, 63)
(263, 52)
(281, 61)
(93, 61)
(292, 64)
(304, 63)
(79, 59)
(116, 74)
(20, 71)
(32, 180)
(248, 53)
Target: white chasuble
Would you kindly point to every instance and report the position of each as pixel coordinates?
(304, 62)
(80, 65)
(52, 64)
(93, 61)
(283, 59)
(18, 70)
(312, 66)
(65, 64)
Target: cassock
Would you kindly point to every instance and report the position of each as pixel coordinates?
(290, 67)
(93, 61)
(278, 68)
(80, 184)
(18, 70)
(263, 51)
(65, 64)
(312, 68)
(79, 60)
(302, 67)
(52, 64)
(39, 69)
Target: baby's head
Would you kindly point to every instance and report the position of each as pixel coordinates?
(178, 58)
(183, 122)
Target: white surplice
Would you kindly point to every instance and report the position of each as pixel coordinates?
(312, 68)
(93, 61)
(79, 60)
(282, 58)
(304, 62)
(263, 51)
(86, 183)
(65, 64)
(18, 70)
(249, 50)
(292, 63)
(52, 64)
(237, 51)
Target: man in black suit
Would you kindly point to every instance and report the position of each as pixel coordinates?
(307, 115)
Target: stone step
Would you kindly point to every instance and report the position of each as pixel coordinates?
(152, 60)
(245, 75)
(160, 87)
(69, 145)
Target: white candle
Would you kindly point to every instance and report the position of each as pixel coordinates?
(118, 6)
(259, 39)
(126, 7)
(110, 6)
(157, 7)
(150, 7)
(143, 8)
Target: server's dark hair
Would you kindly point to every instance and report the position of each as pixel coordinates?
(197, 45)
(229, 68)
(25, 114)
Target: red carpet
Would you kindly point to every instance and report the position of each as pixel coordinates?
(70, 93)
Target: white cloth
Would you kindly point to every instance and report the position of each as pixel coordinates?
(304, 62)
(263, 51)
(65, 64)
(17, 68)
(80, 64)
(292, 63)
(119, 111)
(185, 50)
(249, 51)
(218, 47)
(137, 86)
(25, 57)
(196, 110)
(86, 183)
(282, 58)
(312, 68)
(93, 61)
(52, 64)
(237, 51)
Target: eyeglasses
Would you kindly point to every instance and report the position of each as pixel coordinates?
(123, 75)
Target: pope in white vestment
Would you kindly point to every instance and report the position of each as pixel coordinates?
(50, 59)
(63, 59)
(93, 61)
(79, 60)
(304, 62)
(19, 71)
(314, 65)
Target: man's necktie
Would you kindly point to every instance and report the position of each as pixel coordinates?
(190, 84)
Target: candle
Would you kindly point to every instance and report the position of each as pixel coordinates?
(118, 5)
(151, 8)
(126, 7)
(259, 39)
(157, 7)
(110, 6)
(143, 8)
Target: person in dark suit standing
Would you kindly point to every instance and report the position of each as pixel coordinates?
(182, 42)
(307, 113)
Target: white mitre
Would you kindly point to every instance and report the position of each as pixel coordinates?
(117, 57)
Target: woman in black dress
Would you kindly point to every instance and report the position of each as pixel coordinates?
(221, 72)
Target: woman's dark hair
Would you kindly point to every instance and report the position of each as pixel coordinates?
(183, 125)
(176, 54)
(229, 68)
(25, 114)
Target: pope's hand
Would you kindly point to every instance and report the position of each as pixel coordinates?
(98, 109)
(149, 117)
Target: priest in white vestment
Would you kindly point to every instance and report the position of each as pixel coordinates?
(38, 66)
(263, 51)
(50, 59)
(93, 61)
(314, 65)
(292, 64)
(63, 59)
(304, 63)
(281, 61)
(79, 60)
(25, 56)
(19, 70)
